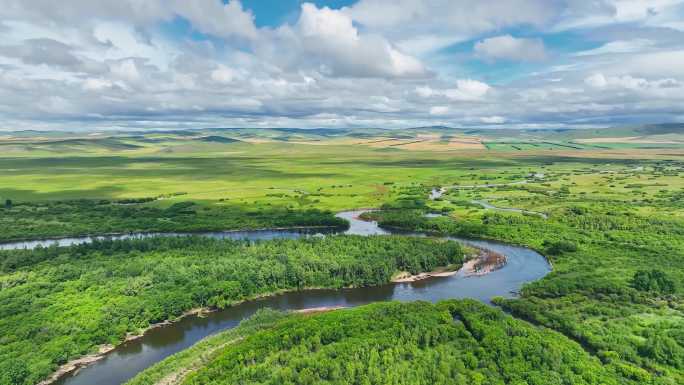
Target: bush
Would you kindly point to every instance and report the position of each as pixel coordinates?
(560, 247)
(653, 281)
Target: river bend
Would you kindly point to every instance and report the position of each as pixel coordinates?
(523, 265)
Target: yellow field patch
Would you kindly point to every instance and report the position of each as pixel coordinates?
(652, 139)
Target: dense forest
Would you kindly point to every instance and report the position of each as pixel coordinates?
(31, 220)
(616, 287)
(67, 301)
(452, 342)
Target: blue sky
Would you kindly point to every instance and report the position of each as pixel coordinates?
(275, 13)
(361, 63)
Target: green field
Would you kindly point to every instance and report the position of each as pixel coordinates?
(612, 309)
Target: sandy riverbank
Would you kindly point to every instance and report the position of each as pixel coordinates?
(405, 276)
(484, 263)
(319, 309)
(74, 366)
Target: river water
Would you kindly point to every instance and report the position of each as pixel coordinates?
(127, 360)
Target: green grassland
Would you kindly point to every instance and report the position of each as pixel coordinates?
(222, 172)
(615, 209)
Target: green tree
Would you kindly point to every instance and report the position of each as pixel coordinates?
(654, 280)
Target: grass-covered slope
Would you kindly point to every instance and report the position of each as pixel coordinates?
(60, 303)
(452, 342)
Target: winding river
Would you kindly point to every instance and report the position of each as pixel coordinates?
(490, 206)
(127, 360)
(438, 193)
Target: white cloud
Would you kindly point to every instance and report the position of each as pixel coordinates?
(630, 83)
(425, 91)
(631, 10)
(425, 44)
(664, 63)
(596, 81)
(91, 84)
(121, 40)
(376, 63)
(507, 47)
(439, 110)
(218, 19)
(329, 38)
(619, 46)
(493, 119)
(126, 69)
(223, 75)
(326, 23)
(468, 89)
(588, 14)
(455, 17)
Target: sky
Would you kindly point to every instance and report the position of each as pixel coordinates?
(164, 64)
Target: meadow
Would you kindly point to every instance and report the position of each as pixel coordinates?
(243, 182)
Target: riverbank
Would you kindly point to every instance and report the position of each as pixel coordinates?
(481, 263)
(405, 276)
(74, 365)
(69, 240)
(320, 309)
(486, 262)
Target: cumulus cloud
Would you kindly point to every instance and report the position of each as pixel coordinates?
(628, 82)
(223, 75)
(424, 26)
(92, 84)
(663, 63)
(127, 63)
(43, 51)
(329, 39)
(466, 90)
(455, 16)
(493, 119)
(507, 47)
(439, 110)
(215, 18)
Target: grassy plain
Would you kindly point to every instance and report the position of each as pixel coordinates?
(326, 172)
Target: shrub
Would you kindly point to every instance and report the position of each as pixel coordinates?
(654, 281)
(560, 247)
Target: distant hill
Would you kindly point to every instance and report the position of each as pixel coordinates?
(108, 143)
(662, 129)
(663, 135)
(217, 139)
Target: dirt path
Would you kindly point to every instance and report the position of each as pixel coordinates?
(176, 378)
